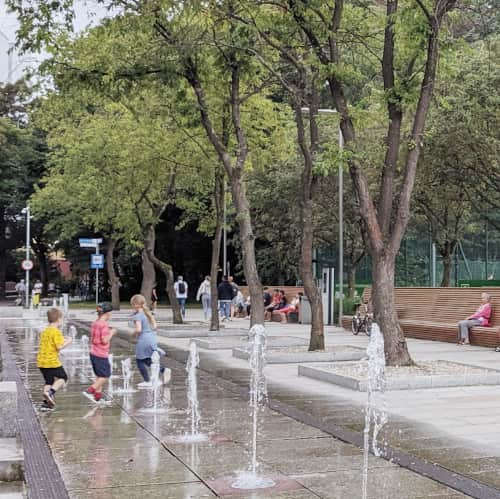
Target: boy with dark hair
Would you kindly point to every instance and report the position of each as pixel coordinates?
(47, 360)
(101, 335)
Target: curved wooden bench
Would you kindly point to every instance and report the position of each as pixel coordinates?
(433, 313)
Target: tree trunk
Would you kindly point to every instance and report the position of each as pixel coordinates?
(149, 248)
(447, 252)
(396, 351)
(216, 243)
(247, 239)
(351, 280)
(317, 337)
(148, 276)
(3, 272)
(113, 279)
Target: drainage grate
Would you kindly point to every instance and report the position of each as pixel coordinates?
(41, 472)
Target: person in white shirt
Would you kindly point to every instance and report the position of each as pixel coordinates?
(21, 292)
(181, 293)
(204, 294)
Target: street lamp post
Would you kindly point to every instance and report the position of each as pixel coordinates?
(305, 110)
(224, 235)
(28, 247)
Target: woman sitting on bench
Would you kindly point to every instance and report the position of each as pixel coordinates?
(481, 317)
(293, 306)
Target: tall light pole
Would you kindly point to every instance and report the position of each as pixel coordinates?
(28, 247)
(224, 235)
(340, 272)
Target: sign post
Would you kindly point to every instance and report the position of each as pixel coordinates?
(96, 260)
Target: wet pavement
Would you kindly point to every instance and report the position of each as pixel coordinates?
(119, 450)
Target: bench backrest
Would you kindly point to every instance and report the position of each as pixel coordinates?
(290, 291)
(443, 305)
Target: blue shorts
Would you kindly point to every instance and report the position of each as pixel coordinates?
(101, 366)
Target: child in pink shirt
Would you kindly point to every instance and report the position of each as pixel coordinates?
(101, 335)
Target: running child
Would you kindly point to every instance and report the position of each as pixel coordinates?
(144, 326)
(47, 360)
(101, 335)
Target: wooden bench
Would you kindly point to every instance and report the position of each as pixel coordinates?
(290, 292)
(433, 313)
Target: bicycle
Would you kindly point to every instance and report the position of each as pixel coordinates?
(361, 324)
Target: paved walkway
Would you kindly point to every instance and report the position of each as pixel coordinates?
(120, 451)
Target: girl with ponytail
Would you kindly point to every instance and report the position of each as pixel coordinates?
(144, 330)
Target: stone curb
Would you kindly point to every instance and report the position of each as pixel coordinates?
(299, 357)
(490, 377)
(273, 341)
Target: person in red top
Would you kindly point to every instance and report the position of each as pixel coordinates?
(481, 317)
(101, 335)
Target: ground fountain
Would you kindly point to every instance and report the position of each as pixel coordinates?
(258, 393)
(156, 407)
(375, 413)
(110, 382)
(72, 332)
(127, 377)
(192, 395)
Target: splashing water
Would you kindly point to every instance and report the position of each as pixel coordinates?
(375, 407)
(72, 332)
(258, 395)
(127, 376)
(192, 393)
(110, 381)
(85, 345)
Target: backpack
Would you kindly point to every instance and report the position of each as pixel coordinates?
(181, 288)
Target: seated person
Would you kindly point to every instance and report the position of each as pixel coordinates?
(293, 306)
(481, 317)
(272, 306)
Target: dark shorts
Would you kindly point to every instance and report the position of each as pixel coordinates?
(51, 373)
(101, 366)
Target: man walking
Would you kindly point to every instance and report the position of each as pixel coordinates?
(225, 295)
(181, 293)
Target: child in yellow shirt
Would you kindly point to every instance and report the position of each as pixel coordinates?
(51, 341)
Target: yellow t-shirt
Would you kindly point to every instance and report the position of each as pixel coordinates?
(51, 339)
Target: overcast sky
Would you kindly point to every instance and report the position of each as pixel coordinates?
(8, 26)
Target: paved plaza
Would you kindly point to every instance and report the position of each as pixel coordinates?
(309, 441)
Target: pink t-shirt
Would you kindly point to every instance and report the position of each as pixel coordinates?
(483, 314)
(99, 330)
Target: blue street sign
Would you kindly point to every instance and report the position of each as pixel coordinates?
(97, 261)
(90, 243)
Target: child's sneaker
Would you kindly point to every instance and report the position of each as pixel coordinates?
(167, 375)
(44, 407)
(98, 396)
(144, 384)
(49, 399)
(89, 393)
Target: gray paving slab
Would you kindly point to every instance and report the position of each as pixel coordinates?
(193, 490)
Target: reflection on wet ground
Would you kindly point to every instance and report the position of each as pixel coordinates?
(116, 450)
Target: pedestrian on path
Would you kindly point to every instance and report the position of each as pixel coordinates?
(100, 338)
(204, 293)
(225, 295)
(144, 330)
(21, 292)
(47, 360)
(181, 293)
